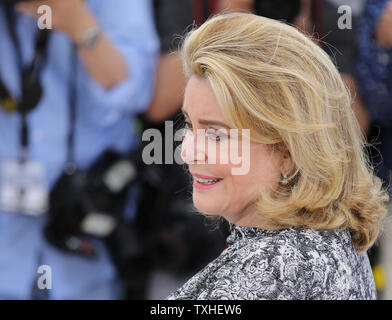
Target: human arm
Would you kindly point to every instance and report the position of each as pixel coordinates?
(303, 20)
(235, 5)
(169, 89)
(104, 61)
(172, 19)
(130, 26)
(360, 111)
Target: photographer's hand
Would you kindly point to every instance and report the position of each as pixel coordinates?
(102, 60)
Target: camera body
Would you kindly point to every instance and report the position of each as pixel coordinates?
(87, 205)
(90, 203)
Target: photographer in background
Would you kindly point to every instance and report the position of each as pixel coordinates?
(374, 75)
(66, 97)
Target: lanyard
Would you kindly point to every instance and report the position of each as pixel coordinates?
(70, 166)
(31, 89)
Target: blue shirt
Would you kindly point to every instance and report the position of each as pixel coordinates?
(374, 77)
(103, 120)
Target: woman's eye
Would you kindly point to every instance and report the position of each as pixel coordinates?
(187, 125)
(215, 135)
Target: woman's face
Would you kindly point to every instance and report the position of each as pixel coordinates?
(234, 194)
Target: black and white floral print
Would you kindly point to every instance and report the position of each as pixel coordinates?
(295, 263)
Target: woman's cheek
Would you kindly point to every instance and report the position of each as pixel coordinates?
(222, 153)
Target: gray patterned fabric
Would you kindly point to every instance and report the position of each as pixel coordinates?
(293, 263)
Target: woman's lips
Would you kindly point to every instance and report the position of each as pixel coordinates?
(198, 185)
(203, 176)
(202, 186)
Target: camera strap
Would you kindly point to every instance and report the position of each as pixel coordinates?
(31, 89)
(70, 166)
(22, 187)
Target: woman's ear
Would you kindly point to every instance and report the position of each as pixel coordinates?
(286, 162)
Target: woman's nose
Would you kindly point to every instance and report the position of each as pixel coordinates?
(193, 149)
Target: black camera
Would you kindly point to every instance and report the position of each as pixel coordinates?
(90, 204)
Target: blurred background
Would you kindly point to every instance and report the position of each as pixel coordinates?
(75, 101)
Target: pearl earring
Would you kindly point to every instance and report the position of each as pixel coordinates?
(284, 181)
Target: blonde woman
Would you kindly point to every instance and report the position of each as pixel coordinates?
(304, 214)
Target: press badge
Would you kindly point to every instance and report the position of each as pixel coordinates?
(22, 188)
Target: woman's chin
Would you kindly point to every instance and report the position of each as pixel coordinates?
(208, 212)
(205, 209)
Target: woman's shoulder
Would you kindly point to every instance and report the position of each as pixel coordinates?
(289, 264)
(301, 240)
(296, 263)
(300, 248)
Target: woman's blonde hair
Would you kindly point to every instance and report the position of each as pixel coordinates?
(270, 78)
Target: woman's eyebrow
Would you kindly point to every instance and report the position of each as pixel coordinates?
(212, 122)
(207, 122)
